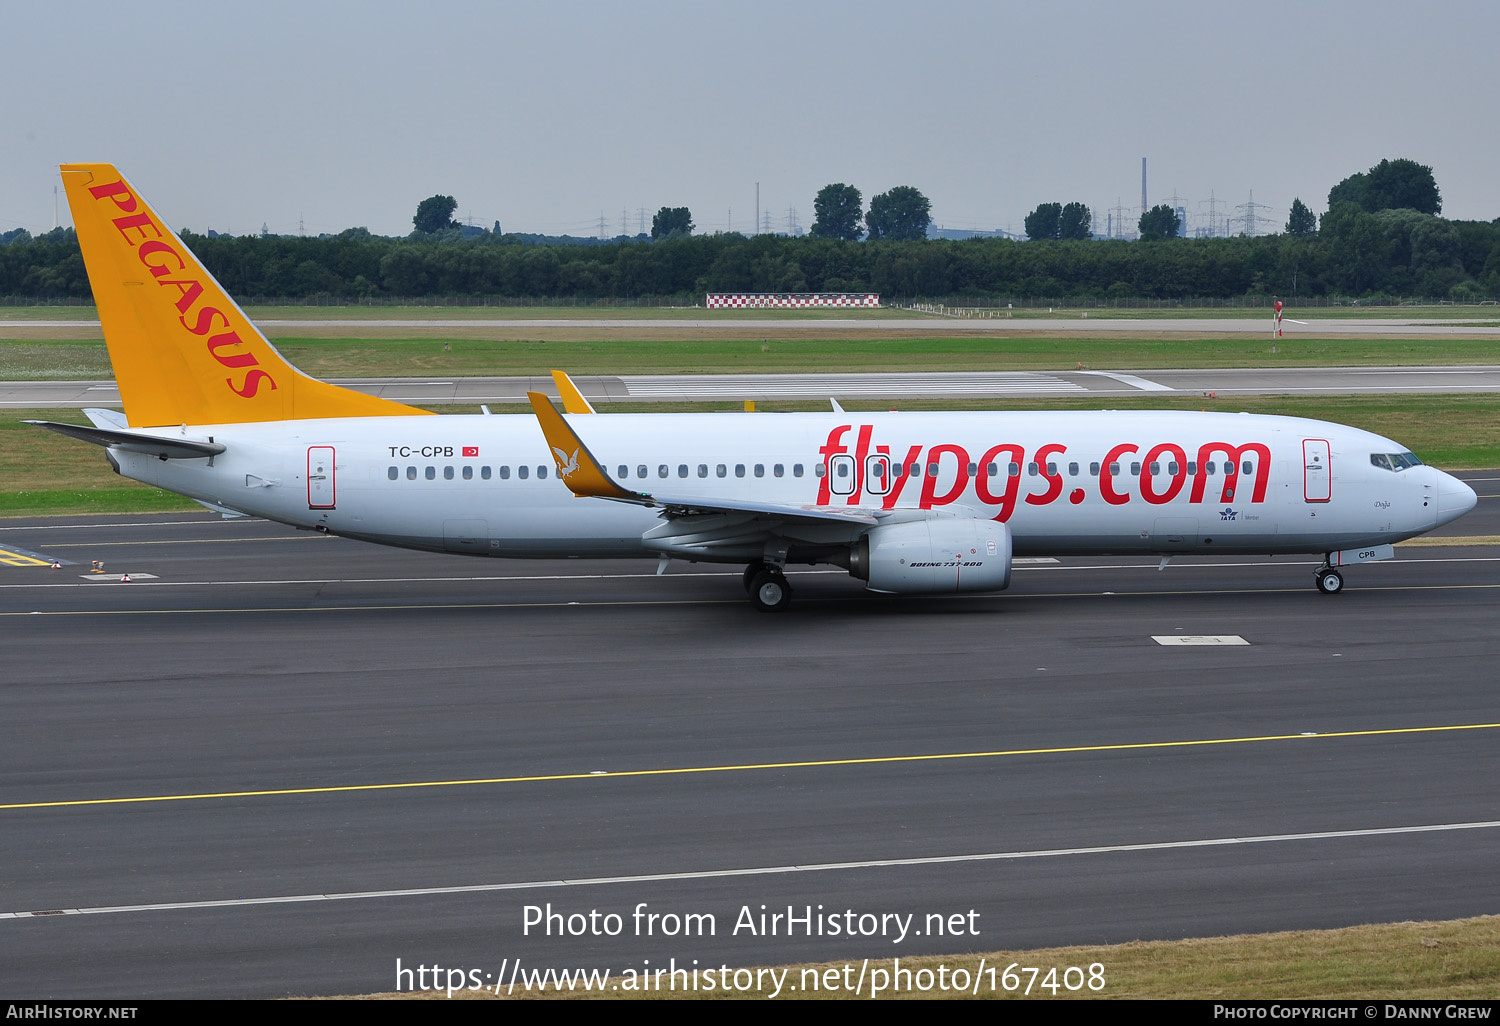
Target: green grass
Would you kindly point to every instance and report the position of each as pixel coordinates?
(63, 360)
(45, 474)
(42, 473)
(436, 311)
(68, 359)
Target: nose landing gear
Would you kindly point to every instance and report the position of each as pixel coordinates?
(1328, 580)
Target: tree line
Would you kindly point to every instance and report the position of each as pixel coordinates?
(1389, 253)
(1361, 249)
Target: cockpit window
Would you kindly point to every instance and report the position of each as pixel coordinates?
(1394, 461)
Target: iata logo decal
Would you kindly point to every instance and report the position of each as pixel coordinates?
(565, 464)
(1227, 514)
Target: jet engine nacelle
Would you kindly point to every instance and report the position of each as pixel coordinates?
(940, 555)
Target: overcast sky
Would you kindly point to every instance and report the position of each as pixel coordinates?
(545, 115)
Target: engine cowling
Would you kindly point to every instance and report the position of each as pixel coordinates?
(939, 555)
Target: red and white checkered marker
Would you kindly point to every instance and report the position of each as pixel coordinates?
(753, 300)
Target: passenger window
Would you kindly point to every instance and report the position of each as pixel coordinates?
(1051, 469)
(796, 470)
(431, 473)
(1192, 467)
(1135, 470)
(1072, 470)
(411, 473)
(1245, 466)
(640, 471)
(484, 472)
(842, 470)
(393, 473)
(818, 471)
(447, 473)
(760, 470)
(778, 470)
(661, 470)
(541, 473)
(1172, 468)
(1031, 469)
(991, 469)
(624, 471)
(703, 470)
(1094, 469)
(468, 473)
(973, 469)
(916, 470)
(1114, 470)
(505, 473)
(719, 470)
(682, 470)
(1014, 470)
(522, 471)
(1155, 467)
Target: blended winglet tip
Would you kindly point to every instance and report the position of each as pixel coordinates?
(576, 466)
(572, 397)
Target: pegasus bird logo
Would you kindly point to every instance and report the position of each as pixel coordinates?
(565, 464)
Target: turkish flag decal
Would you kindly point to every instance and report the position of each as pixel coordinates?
(471, 450)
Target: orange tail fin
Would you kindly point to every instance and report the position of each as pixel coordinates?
(183, 351)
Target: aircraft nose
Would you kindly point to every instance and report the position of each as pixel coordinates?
(1454, 498)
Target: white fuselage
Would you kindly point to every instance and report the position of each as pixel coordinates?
(1104, 482)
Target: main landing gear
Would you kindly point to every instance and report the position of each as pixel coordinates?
(1328, 580)
(766, 584)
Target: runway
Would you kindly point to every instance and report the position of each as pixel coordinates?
(281, 761)
(602, 390)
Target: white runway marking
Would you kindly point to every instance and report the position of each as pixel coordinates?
(493, 579)
(823, 867)
(820, 385)
(1198, 639)
(1133, 381)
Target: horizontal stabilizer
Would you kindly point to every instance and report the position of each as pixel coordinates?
(133, 441)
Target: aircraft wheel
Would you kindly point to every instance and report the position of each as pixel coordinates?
(1329, 581)
(752, 571)
(770, 592)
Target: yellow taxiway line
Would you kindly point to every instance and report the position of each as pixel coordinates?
(737, 768)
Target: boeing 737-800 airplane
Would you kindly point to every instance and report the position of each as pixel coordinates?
(907, 502)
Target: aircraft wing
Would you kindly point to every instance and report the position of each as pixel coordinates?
(682, 507)
(586, 476)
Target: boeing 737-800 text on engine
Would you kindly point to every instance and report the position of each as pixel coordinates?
(907, 502)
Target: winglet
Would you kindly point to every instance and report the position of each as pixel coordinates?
(572, 399)
(575, 464)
